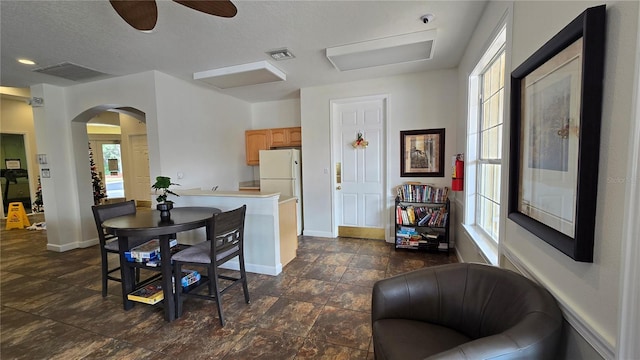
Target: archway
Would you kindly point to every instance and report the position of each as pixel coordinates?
(131, 124)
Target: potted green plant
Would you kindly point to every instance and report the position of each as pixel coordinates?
(162, 184)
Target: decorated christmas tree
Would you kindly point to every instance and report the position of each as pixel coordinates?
(38, 204)
(98, 188)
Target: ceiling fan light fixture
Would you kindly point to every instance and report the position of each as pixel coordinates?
(386, 51)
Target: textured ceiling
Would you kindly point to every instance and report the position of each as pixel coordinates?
(184, 41)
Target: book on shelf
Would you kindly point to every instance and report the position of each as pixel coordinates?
(149, 251)
(190, 277)
(412, 192)
(148, 294)
(406, 232)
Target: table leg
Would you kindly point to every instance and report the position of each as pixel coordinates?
(126, 273)
(167, 277)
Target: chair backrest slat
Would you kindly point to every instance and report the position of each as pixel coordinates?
(227, 230)
(101, 213)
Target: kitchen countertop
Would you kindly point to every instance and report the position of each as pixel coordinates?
(249, 185)
(284, 199)
(200, 192)
(255, 194)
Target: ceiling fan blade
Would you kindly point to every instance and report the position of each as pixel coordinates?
(223, 8)
(141, 14)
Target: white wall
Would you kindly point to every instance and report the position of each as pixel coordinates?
(587, 292)
(190, 128)
(275, 114)
(416, 101)
(201, 135)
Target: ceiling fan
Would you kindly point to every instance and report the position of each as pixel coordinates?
(143, 14)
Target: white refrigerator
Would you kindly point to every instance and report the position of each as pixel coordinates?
(280, 171)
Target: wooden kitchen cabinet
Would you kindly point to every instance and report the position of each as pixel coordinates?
(295, 136)
(288, 218)
(265, 139)
(291, 136)
(279, 137)
(256, 140)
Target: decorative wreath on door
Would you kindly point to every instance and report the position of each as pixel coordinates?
(360, 142)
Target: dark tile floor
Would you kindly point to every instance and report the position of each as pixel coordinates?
(317, 308)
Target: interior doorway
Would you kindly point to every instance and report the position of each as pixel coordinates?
(113, 178)
(14, 176)
(121, 156)
(358, 152)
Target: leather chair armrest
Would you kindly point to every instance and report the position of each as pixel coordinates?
(402, 296)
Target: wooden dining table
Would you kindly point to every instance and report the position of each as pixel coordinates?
(147, 224)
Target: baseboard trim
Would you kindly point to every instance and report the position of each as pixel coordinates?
(254, 268)
(606, 348)
(61, 248)
(318, 233)
(88, 243)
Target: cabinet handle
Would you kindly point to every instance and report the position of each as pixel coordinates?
(338, 187)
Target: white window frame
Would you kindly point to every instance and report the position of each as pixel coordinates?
(485, 243)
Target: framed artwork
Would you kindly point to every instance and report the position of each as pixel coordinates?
(556, 106)
(422, 153)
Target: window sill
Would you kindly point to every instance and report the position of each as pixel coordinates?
(486, 246)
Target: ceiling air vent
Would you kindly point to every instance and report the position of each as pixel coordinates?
(281, 54)
(70, 71)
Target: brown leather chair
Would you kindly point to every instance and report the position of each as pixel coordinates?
(464, 311)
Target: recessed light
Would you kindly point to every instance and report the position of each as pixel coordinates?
(26, 61)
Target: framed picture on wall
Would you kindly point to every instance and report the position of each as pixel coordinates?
(556, 106)
(422, 153)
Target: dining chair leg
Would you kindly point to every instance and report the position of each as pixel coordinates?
(105, 274)
(243, 274)
(177, 294)
(216, 290)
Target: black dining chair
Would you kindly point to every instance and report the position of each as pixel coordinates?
(227, 231)
(109, 243)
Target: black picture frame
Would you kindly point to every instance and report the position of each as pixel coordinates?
(549, 144)
(422, 153)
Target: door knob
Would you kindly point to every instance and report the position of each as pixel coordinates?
(338, 187)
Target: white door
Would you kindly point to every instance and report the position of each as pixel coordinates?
(140, 161)
(359, 171)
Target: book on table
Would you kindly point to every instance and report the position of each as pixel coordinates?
(148, 294)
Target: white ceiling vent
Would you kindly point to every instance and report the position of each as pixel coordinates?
(281, 54)
(241, 75)
(70, 71)
(387, 51)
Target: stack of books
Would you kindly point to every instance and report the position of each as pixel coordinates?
(149, 294)
(148, 252)
(190, 277)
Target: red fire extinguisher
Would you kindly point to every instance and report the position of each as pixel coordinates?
(457, 174)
